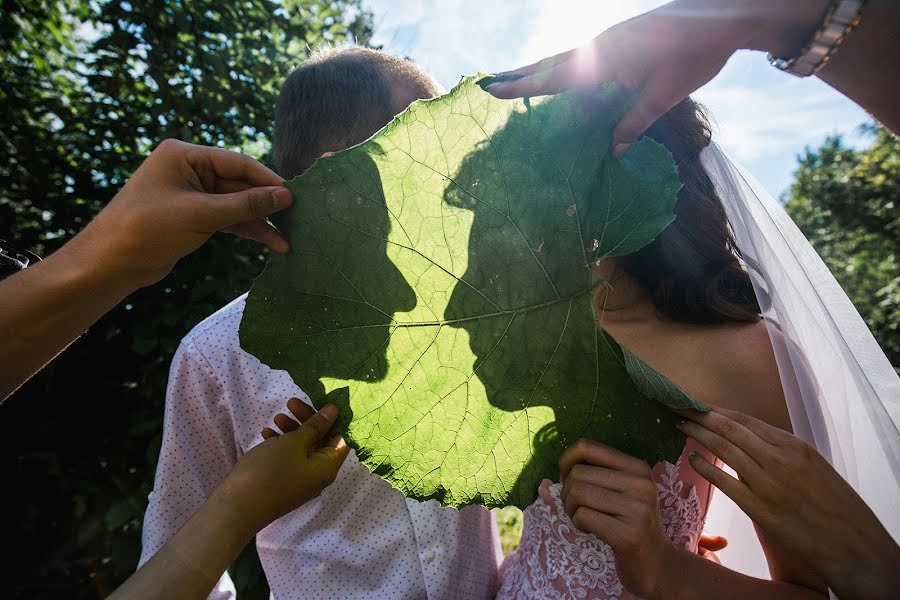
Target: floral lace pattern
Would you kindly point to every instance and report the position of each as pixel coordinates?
(556, 560)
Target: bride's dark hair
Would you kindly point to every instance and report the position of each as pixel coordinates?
(693, 270)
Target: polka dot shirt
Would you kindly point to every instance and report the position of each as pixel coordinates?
(360, 538)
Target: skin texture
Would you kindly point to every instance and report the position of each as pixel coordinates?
(668, 53)
(271, 480)
(613, 496)
(174, 202)
(852, 551)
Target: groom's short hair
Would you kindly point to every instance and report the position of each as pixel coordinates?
(338, 98)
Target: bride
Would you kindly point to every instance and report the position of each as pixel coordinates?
(816, 368)
(686, 306)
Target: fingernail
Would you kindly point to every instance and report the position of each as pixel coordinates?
(488, 81)
(620, 148)
(329, 411)
(282, 197)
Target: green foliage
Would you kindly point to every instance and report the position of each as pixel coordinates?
(509, 526)
(89, 88)
(847, 203)
(439, 291)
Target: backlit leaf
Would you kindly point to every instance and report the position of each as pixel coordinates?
(439, 290)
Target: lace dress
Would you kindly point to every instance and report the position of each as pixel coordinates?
(557, 561)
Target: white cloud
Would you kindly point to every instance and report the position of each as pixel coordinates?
(764, 118)
(451, 38)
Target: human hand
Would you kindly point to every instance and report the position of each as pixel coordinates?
(666, 54)
(286, 471)
(173, 203)
(799, 501)
(611, 494)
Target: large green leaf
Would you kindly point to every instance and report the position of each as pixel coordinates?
(439, 291)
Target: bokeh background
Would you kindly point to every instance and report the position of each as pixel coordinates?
(89, 87)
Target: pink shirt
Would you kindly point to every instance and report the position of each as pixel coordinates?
(557, 561)
(360, 538)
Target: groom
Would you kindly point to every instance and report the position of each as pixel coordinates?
(361, 538)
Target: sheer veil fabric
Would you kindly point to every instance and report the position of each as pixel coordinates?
(842, 394)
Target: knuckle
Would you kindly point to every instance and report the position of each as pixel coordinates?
(316, 423)
(582, 445)
(728, 428)
(656, 106)
(806, 452)
(648, 488)
(718, 445)
(259, 204)
(168, 144)
(642, 511)
(578, 472)
(575, 493)
(579, 518)
(630, 540)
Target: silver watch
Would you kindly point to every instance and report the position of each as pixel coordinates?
(841, 18)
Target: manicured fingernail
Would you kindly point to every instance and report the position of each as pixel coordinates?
(329, 411)
(620, 148)
(282, 197)
(486, 82)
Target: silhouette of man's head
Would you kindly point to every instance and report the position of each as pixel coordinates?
(337, 99)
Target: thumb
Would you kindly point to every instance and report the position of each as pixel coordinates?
(318, 426)
(248, 205)
(712, 543)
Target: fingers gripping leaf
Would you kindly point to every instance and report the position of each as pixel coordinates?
(439, 292)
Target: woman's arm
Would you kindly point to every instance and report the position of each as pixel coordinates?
(612, 495)
(668, 53)
(271, 480)
(174, 202)
(800, 501)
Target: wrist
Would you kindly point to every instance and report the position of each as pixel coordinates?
(783, 29)
(101, 257)
(666, 573)
(234, 514)
(677, 575)
(81, 265)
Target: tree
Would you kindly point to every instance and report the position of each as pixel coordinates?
(846, 203)
(89, 89)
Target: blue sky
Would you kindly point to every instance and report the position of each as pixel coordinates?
(763, 117)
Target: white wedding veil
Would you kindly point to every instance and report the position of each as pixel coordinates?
(842, 394)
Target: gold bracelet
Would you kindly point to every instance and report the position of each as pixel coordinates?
(840, 19)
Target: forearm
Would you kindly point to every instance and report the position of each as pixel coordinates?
(48, 305)
(866, 68)
(689, 576)
(191, 563)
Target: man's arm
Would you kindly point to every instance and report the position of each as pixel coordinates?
(198, 451)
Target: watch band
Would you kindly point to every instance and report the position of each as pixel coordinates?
(841, 18)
